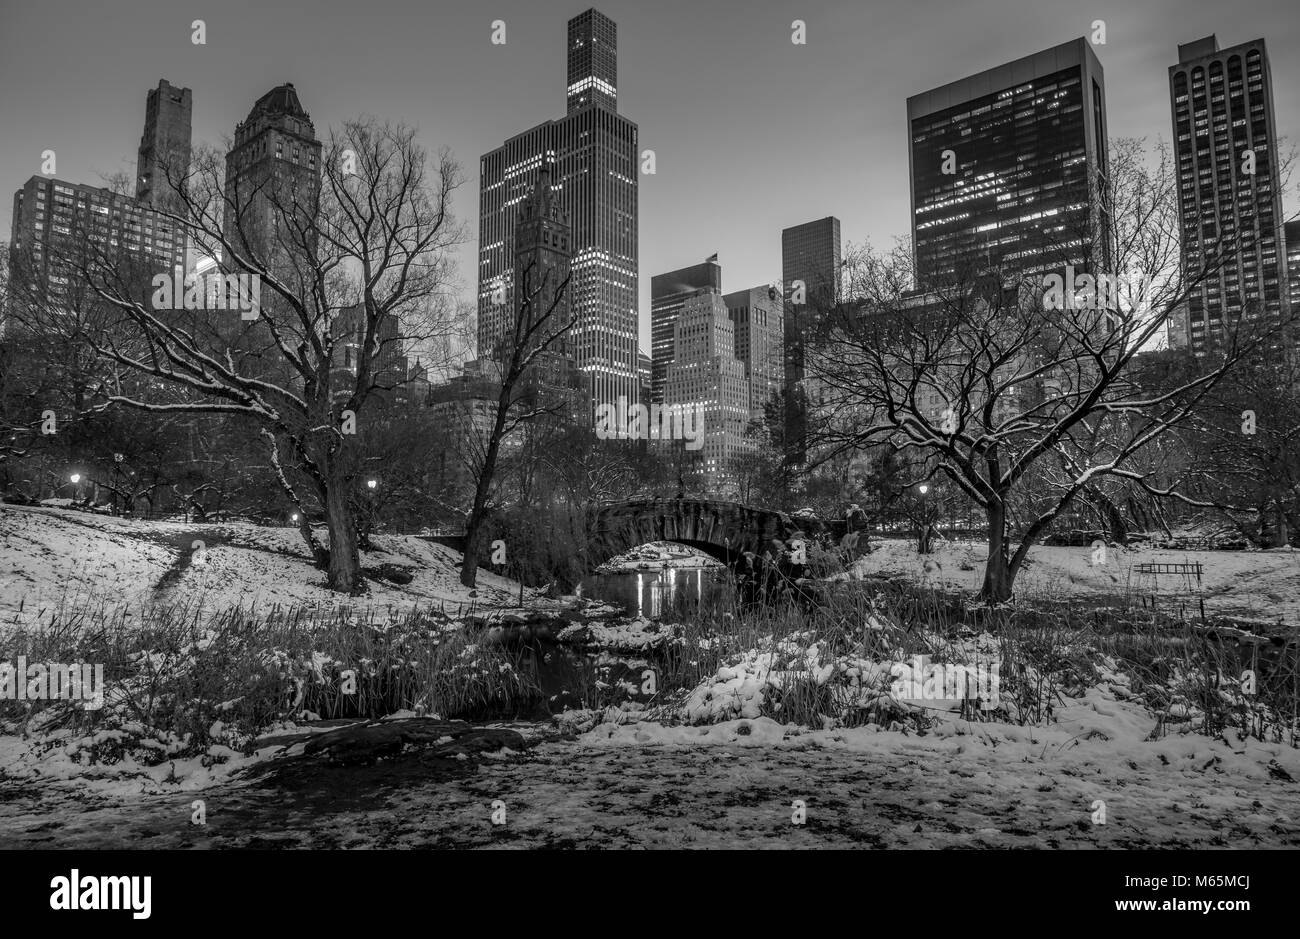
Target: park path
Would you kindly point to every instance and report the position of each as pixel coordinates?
(567, 794)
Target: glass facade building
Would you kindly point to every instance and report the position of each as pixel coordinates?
(668, 295)
(811, 253)
(594, 155)
(1002, 167)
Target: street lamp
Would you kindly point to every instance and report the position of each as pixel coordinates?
(923, 488)
(293, 517)
(371, 483)
(75, 477)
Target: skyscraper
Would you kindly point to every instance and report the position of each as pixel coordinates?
(705, 374)
(273, 185)
(1291, 231)
(275, 159)
(594, 151)
(668, 294)
(757, 316)
(164, 145)
(56, 222)
(810, 254)
(1002, 167)
(1222, 101)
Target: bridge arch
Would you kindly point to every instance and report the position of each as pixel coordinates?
(723, 530)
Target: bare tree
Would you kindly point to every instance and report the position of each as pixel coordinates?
(351, 262)
(519, 359)
(1005, 376)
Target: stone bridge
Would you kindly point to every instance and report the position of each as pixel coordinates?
(723, 530)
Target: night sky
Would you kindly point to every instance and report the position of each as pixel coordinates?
(752, 133)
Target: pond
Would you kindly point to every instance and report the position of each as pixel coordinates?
(651, 593)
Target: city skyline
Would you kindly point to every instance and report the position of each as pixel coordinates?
(697, 177)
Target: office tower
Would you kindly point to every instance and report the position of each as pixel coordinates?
(758, 317)
(705, 374)
(164, 145)
(1291, 232)
(57, 222)
(1003, 167)
(643, 372)
(810, 254)
(1222, 102)
(592, 61)
(275, 159)
(668, 294)
(594, 152)
(272, 185)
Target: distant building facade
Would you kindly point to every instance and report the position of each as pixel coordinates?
(165, 145)
(1292, 236)
(757, 315)
(668, 295)
(1222, 104)
(276, 156)
(594, 151)
(1004, 166)
(55, 220)
(705, 374)
(811, 256)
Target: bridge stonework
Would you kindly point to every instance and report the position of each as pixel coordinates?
(723, 530)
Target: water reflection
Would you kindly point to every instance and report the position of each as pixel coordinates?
(652, 593)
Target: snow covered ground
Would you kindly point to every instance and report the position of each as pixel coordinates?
(51, 556)
(1101, 772)
(731, 785)
(1261, 586)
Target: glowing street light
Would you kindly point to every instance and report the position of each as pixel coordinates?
(76, 478)
(371, 483)
(293, 517)
(923, 488)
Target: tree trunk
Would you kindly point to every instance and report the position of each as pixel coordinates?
(344, 571)
(1281, 534)
(998, 575)
(469, 569)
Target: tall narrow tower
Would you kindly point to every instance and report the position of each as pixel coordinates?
(1229, 189)
(275, 162)
(164, 145)
(593, 61)
(593, 150)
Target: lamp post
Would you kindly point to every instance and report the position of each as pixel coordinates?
(923, 543)
(371, 485)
